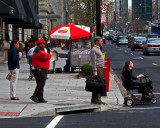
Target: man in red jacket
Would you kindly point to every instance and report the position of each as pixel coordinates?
(40, 65)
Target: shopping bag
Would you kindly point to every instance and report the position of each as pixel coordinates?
(8, 77)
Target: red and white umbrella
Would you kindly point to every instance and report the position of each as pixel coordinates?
(68, 31)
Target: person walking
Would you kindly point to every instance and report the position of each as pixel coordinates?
(13, 66)
(40, 65)
(97, 62)
(28, 45)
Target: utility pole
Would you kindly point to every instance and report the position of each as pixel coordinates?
(98, 18)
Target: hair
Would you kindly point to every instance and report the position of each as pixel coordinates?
(125, 66)
(97, 38)
(13, 42)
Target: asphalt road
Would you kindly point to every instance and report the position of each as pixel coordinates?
(147, 65)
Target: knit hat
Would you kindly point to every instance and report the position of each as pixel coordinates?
(41, 41)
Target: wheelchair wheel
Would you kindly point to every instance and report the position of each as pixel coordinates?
(129, 102)
(154, 100)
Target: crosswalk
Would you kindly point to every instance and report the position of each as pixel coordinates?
(54, 122)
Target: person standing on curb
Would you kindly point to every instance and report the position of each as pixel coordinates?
(40, 65)
(13, 66)
(97, 62)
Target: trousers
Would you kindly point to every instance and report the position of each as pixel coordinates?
(97, 96)
(40, 76)
(13, 81)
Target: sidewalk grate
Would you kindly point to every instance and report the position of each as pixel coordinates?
(9, 113)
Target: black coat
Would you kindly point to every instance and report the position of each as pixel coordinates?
(129, 77)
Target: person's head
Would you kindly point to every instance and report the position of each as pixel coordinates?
(14, 44)
(41, 43)
(28, 38)
(128, 65)
(98, 41)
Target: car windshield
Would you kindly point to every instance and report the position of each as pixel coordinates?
(122, 37)
(141, 39)
(154, 41)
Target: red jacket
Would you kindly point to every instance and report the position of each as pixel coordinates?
(40, 59)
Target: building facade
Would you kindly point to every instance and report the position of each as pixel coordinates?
(20, 19)
(155, 11)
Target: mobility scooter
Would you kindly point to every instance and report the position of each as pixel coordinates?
(132, 100)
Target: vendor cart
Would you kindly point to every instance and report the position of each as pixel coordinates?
(80, 53)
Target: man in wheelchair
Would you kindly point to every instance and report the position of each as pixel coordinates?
(128, 79)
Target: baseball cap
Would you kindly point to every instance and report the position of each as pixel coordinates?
(41, 41)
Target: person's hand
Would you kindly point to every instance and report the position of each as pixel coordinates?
(95, 74)
(20, 57)
(140, 75)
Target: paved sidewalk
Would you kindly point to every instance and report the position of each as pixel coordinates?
(64, 92)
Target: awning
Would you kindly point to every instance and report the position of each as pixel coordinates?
(6, 10)
(20, 16)
(30, 11)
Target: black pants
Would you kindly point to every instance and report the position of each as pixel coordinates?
(40, 76)
(142, 86)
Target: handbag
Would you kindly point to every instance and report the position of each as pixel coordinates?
(95, 84)
(8, 77)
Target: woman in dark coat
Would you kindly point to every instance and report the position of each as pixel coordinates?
(129, 78)
(13, 66)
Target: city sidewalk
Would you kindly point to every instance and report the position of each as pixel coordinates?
(65, 92)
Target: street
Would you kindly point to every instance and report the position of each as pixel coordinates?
(125, 118)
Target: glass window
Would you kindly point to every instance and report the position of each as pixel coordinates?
(154, 41)
(140, 39)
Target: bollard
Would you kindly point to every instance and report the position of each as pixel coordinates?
(106, 72)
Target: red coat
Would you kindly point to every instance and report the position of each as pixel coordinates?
(40, 59)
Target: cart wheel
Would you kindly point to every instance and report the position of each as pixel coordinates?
(129, 102)
(154, 100)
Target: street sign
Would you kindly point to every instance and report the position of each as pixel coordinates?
(103, 18)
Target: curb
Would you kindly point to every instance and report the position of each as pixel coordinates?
(119, 83)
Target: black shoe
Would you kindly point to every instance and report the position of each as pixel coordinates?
(34, 99)
(43, 101)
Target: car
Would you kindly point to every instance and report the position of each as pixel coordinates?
(114, 39)
(152, 45)
(122, 40)
(137, 43)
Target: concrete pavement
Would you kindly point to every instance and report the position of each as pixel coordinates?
(65, 92)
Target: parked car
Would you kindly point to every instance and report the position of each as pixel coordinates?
(137, 43)
(122, 40)
(114, 39)
(152, 45)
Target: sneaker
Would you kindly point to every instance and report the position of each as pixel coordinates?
(34, 99)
